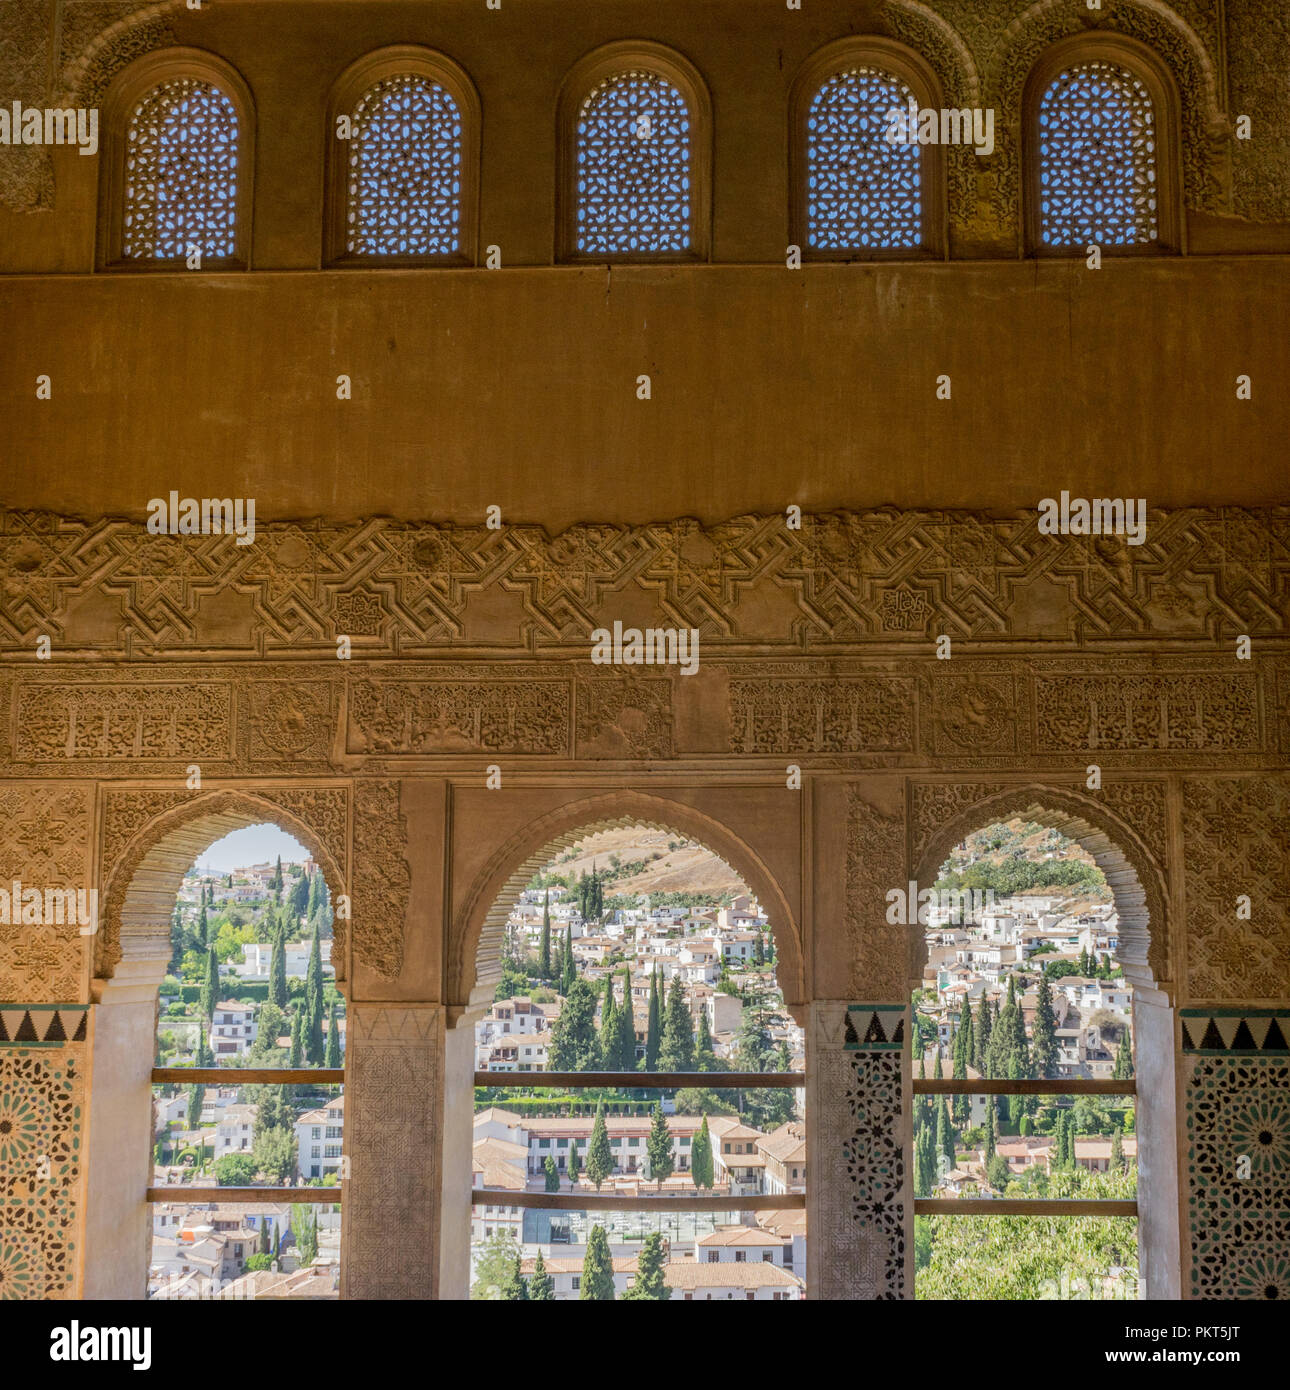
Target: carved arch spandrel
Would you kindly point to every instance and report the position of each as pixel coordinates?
(480, 922)
(152, 837)
(1137, 879)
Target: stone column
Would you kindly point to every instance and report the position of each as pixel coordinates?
(860, 1203)
(390, 1214)
(118, 1219)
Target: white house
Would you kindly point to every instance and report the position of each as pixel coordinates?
(319, 1135)
(232, 1028)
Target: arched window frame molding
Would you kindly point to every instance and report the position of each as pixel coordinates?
(582, 78)
(401, 60)
(133, 84)
(874, 51)
(1154, 74)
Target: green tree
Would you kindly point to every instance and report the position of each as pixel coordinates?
(196, 1099)
(304, 1222)
(924, 1163)
(541, 1285)
(705, 1058)
(314, 1005)
(551, 1174)
(625, 1029)
(658, 1147)
(944, 1132)
(988, 1146)
(676, 1052)
(209, 995)
(597, 1266)
(1123, 1069)
(296, 1059)
(235, 1170)
(333, 1058)
(654, 1035)
(649, 1282)
(981, 1034)
(278, 971)
(544, 950)
(1044, 1054)
(701, 1157)
(567, 972)
(600, 1158)
(298, 902)
(574, 1167)
(274, 1153)
(609, 1027)
(203, 926)
(317, 895)
(514, 1288)
(701, 1100)
(997, 1172)
(1118, 1164)
(277, 876)
(574, 1043)
(494, 1266)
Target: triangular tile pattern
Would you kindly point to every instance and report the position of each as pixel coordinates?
(883, 1027)
(1254, 1032)
(42, 1026)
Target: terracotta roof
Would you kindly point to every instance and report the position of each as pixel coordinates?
(738, 1235)
(726, 1274)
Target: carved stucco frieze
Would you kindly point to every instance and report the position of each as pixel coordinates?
(1236, 833)
(844, 578)
(45, 833)
(876, 860)
(381, 880)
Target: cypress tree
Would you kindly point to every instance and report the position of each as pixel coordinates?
(551, 1174)
(924, 1163)
(938, 1073)
(944, 1131)
(264, 1236)
(705, 1058)
(203, 926)
(296, 1059)
(278, 972)
(315, 899)
(658, 1147)
(676, 1052)
(575, 1163)
(1123, 1070)
(277, 876)
(649, 1282)
(544, 951)
(625, 1028)
(1044, 1053)
(701, 1157)
(1118, 1164)
(541, 1285)
(513, 1288)
(654, 1038)
(332, 1058)
(575, 1045)
(597, 1267)
(989, 1128)
(209, 995)
(981, 1034)
(600, 1157)
(567, 972)
(609, 1028)
(314, 1005)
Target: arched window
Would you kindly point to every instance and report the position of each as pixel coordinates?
(403, 134)
(634, 139)
(862, 185)
(1099, 124)
(179, 142)
(1097, 158)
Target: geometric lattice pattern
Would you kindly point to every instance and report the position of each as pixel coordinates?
(1097, 159)
(181, 172)
(42, 1025)
(1238, 1178)
(41, 1105)
(633, 167)
(862, 190)
(404, 188)
(860, 1205)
